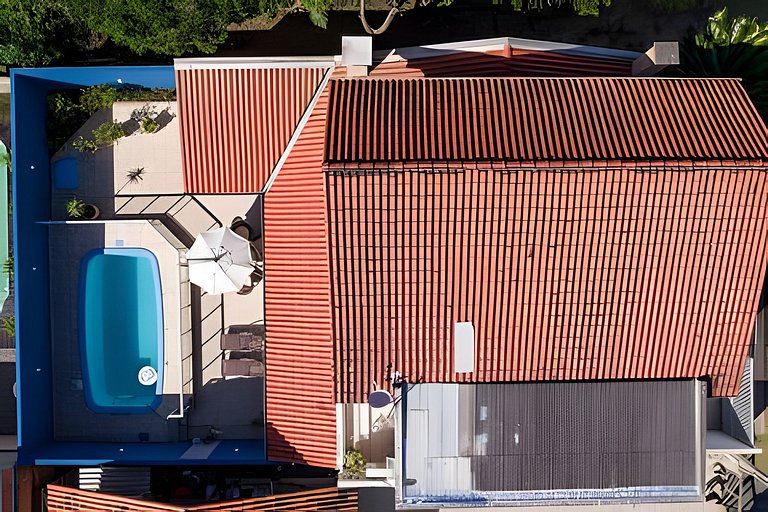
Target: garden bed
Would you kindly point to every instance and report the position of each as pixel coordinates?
(69, 109)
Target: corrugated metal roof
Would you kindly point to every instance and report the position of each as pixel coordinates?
(235, 123)
(539, 120)
(566, 275)
(509, 61)
(543, 436)
(301, 413)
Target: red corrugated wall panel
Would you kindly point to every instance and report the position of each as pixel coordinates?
(65, 499)
(236, 123)
(566, 274)
(301, 413)
(538, 120)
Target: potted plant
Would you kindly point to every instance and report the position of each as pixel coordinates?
(91, 211)
(354, 465)
(149, 125)
(146, 117)
(77, 209)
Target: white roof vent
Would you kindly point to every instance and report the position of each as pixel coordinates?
(356, 51)
(464, 347)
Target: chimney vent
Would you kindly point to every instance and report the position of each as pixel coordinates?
(356, 54)
(658, 56)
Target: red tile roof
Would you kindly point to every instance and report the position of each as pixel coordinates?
(236, 123)
(637, 255)
(566, 275)
(540, 120)
(509, 61)
(301, 414)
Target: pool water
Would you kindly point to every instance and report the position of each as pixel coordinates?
(121, 330)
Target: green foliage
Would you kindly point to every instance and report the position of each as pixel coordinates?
(149, 125)
(146, 110)
(145, 94)
(8, 266)
(6, 159)
(9, 325)
(722, 31)
(589, 7)
(580, 7)
(75, 208)
(162, 27)
(63, 113)
(672, 6)
(68, 110)
(38, 32)
(97, 97)
(731, 48)
(107, 133)
(318, 11)
(82, 145)
(354, 465)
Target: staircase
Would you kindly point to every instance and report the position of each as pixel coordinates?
(130, 482)
(734, 482)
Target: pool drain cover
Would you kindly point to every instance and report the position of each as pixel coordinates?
(147, 375)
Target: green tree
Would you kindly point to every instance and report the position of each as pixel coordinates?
(724, 31)
(731, 48)
(37, 32)
(168, 27)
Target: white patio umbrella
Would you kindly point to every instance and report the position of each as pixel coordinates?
(220, 261)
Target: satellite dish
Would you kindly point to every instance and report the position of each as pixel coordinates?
(379, 398)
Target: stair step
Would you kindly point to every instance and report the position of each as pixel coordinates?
(117, 480)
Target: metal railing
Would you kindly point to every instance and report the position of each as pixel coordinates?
(183, 215)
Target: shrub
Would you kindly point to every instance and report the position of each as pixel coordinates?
(354, 465)
(75, 208)
(6, 159)
(97, 97)
(147, 110)
(9, 325)
(64, 113)
(8, 266)
(38, 32)
(589, 7)
(162, 27)
(730, 47)
(68, 110)
(133, 93)
(107, 133)
(671, 6)
(149, 125)
(82, 145)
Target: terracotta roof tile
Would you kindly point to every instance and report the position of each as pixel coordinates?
(300, 408)
(540, 120)
(566, 275)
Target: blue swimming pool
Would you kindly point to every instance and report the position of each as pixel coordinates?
(121, 330)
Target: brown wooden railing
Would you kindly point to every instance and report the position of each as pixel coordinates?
(66, 499)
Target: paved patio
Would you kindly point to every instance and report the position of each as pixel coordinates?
(68, 244)
(194, 321)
